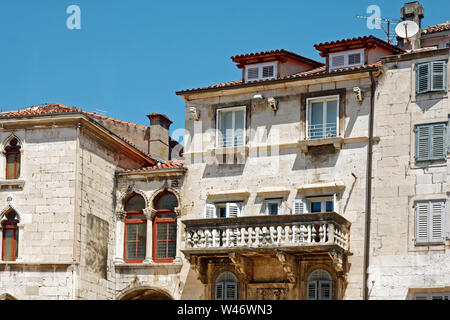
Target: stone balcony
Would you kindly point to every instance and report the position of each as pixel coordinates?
(291, 233)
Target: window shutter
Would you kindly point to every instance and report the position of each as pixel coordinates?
(300, 206)
(354, 58)
(210, 211)
(233, 210)
(230, 291)
(423, 142)
(253, 73)
(311, 290)
(438, 141)
(325, 290)
(267, 71)
(436, 221)
(423, 78)
(219, 291)
(438, 75)
(422, 213)
(338, 61)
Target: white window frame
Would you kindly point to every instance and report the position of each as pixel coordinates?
(226, 205)
(346, 55)
(230, 109)
(323, 203)
(324, 99)
(260, 67)
(272, 201)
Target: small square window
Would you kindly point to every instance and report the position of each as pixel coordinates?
(273, 207)
(316, 206)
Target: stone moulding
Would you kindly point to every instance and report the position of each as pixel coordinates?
(228, 194)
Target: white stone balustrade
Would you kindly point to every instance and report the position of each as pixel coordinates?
(245, 232)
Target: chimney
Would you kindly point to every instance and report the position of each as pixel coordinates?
(412, 11)
(159, 136)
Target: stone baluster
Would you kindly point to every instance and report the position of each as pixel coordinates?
(208, 238)
(195, 239)
(259, 236)
(227, 237)
(321, 233)
(273, 235)
(201, 240)
(330, 233)
(280, 234)
(244, 237)
(303, 234)
(215, 242)
(188, 237)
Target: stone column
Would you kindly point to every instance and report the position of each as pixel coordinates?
(149, 213)
(120, 232)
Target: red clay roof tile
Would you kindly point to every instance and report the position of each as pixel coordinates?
(437, 28)
(173, 164)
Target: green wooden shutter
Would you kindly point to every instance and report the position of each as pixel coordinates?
(325, 290)
(219, 291)
(423, 143)
(438, 75)
(423, 82)
(438, 141)
(311, 290)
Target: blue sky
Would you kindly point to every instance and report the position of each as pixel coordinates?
(130, 57)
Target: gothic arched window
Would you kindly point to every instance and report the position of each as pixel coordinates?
(135, 229)
(10, 238)
(165, 228)
(12, 154)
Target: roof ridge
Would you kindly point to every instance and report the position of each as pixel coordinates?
(113, 119)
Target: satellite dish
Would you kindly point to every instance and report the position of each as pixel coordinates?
(407, 29)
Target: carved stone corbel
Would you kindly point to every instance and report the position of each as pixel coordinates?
(240, 265)
(199, 267)
(338, 259)
(150, 213)
(120, 215)
(289, 266)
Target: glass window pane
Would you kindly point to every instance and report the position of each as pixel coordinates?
(329, 206)
(161, 249)
(131, 231)
(161, 231)
(316, 207)
(226, 128)
(10, 167)
(223, 212)
(142, 231)
(272, 208)
(18, 166)
(239, 128)
(316, 120)
(172, 249)
(9, 240)
(172, 231)
(140, 250)
(135, 217)
(131, 250)
(167, 201)
(331, 118)
(135, 203)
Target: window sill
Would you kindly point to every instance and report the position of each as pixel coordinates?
(337, 143)
(149, 265)
(11, 184)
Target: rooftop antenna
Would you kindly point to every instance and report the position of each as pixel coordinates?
(407, 30)
(383, 20)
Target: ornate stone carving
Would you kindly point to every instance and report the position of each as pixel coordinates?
(289, 266)
(338, 260)
(239, 264)
(271, 293)
(199, 267)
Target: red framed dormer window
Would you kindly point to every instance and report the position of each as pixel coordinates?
(12, 153)
(10, 239)
(165, 228)
(135, 229)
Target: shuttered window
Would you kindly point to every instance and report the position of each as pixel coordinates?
(431, 76)
(226, 286)
(431, 142)
(346, 59)
(319, 286)
(300, 206)
(222, 210)
(430, 220)
(261, 71)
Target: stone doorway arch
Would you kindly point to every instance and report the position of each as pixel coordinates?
(145, 293)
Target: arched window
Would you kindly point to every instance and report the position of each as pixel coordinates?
(12, 153)
(226, 286)
(135, 229)
(10, 241)
(165, 228)
(319, 286)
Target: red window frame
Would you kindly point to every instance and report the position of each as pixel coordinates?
(128, 222)
(13, 148)
(10, 225)
(167, 221)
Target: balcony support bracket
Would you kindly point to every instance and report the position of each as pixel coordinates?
(338, 260)
(289, 265)
(240, 265)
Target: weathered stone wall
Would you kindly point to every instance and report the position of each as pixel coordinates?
(288, 168)
(45, 205)
(396, 263)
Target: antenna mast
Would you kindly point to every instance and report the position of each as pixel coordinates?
(383, 20)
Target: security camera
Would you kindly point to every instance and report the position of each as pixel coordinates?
(272, 103)
(359, 94)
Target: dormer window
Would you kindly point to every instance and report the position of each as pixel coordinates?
(261, 71)
(346, 59)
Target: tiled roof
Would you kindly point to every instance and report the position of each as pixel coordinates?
(320, 71)
(327, 45)
(40, 110)
(294, 55)
(437, 28)
(95, 115)
(173, 164)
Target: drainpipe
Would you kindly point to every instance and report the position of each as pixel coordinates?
(369, 189)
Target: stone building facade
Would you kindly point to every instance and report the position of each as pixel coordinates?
(302, 180)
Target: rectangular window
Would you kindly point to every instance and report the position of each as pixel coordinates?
(432, 296)
(231, 127)
(320, 204)
(273, 207)
(261, 71)
(430, 221)
(223, 210)
(431, 76)
(346, 59)
(322, 117)
(431, 142)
